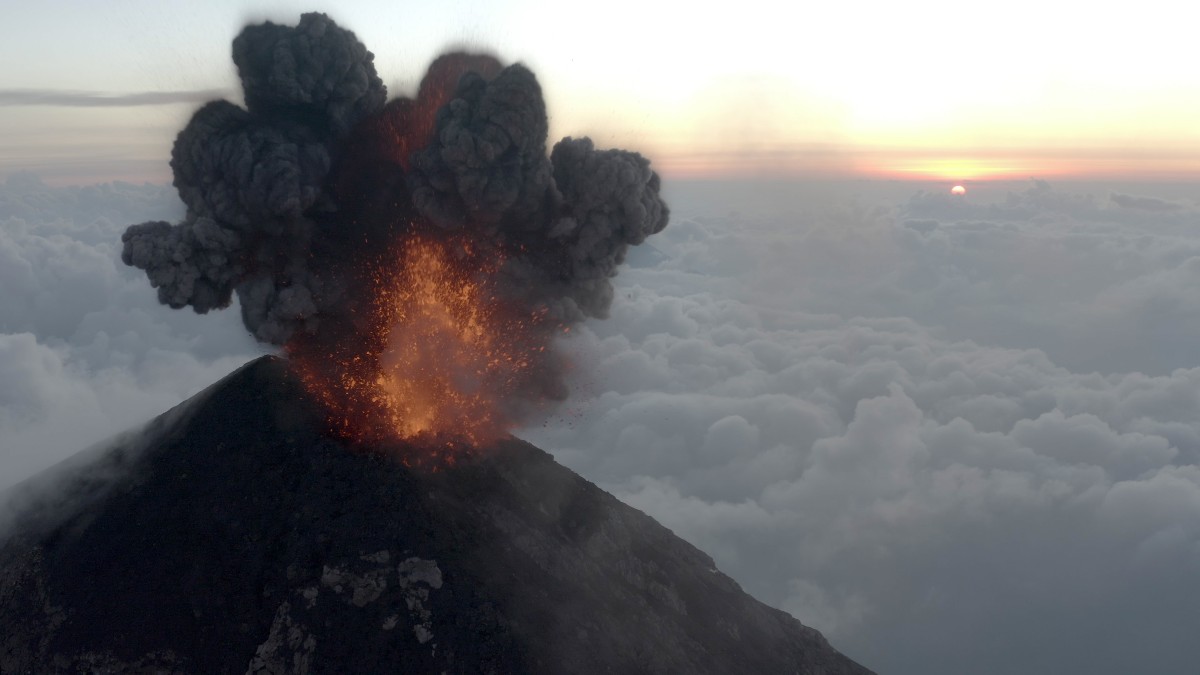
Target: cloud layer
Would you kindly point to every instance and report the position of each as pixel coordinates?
(1104, 283)
(84, 351)
(939, 499)
(954, 435)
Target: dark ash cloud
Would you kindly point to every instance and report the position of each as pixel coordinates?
(290, 199)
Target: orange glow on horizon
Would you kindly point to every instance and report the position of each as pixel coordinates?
(892, 163)
(961, 168)
(1135, 164)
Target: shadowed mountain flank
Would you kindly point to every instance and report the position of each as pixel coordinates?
(236, 536)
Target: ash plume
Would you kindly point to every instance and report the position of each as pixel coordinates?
(290, 199)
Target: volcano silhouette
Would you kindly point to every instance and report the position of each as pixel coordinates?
(234, 535)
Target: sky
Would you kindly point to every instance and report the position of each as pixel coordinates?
(931, 89)
(955, 434)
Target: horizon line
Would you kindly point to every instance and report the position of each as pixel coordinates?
(72, 98)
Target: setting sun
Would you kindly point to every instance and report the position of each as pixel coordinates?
(958, 190)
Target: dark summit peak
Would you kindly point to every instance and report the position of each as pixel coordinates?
(234, 536)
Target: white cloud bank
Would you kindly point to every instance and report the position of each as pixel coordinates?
(954, 436)
(942, 499)
(85, 350)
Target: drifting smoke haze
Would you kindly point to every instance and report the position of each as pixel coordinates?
(302, 204)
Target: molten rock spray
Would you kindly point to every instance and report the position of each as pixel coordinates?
(416, 258)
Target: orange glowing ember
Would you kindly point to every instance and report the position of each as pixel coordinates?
(442, 358)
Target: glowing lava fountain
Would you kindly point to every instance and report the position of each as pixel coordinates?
(445, 357)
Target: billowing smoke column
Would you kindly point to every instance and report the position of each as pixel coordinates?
(297, 201)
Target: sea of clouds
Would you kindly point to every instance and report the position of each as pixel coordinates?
(86, 351)
(954, 434)
(957, 436)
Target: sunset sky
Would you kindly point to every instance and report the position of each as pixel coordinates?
(928, 90)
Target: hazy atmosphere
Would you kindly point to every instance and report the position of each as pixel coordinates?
(956, 433)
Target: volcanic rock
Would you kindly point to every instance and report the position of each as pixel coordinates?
(234, 535)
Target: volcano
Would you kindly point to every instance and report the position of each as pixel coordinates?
(235, 534)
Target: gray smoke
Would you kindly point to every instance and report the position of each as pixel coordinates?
(315, 69)
(195, 263)
(613, 204)
(487, 166)
(289, 198)
(246, 172)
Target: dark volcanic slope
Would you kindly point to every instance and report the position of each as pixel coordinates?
(236, 538)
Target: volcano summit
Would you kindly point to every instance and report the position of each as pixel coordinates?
(236, 535)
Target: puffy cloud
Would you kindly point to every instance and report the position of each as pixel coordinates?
(938, 499)
(56, 401)
(85, 350)
(1079, 276)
